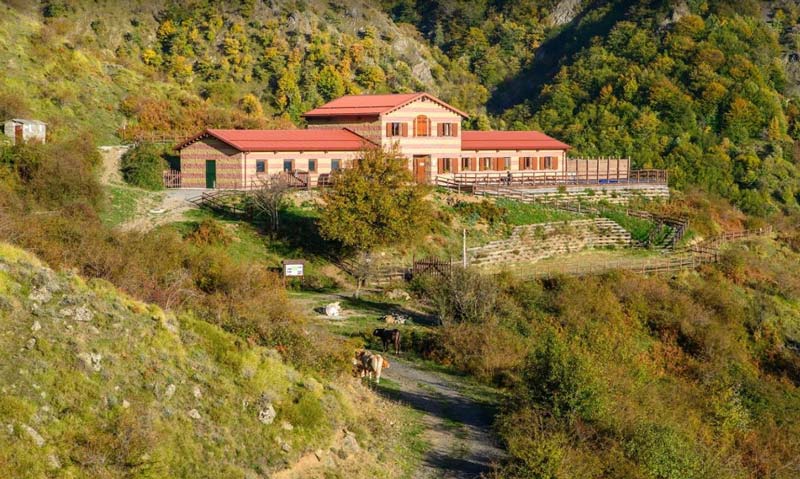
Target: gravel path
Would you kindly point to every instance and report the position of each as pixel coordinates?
(458, 427)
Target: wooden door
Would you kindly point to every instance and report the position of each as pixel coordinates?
(18, 136)
(211, 173)
(421, 164)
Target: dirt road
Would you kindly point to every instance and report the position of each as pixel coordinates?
(458, 427)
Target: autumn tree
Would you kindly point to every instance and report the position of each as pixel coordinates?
(374, 203)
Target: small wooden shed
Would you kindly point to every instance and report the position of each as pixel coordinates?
(22, 130)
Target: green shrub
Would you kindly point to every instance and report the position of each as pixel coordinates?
(664, 453)
(464, 296)
(559, 379)
(143, 166)
(210, 232)
(487, 211)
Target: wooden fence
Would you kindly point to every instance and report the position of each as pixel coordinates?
(436, 267)
(216, 200)
(539, 179)
(171, 178)
(708, 251)
(170, 137)
(691, 258)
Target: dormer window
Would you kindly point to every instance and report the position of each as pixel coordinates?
(422, 126)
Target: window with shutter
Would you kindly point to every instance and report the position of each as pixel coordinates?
(507, 163)
(421, 126)
(548, 162)
(446, 165)
(465, 166)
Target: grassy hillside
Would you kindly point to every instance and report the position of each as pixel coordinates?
(96, 384)
(173, 67)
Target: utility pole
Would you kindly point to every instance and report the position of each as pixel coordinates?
(464, 248)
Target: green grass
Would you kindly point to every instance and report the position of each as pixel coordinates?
(518, 213)
(639, 228)
(122, 204)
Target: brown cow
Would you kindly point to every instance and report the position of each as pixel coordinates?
(389, 336)
(370, 365)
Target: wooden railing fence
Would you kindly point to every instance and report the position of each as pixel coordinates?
(432, 266)
(171, 178)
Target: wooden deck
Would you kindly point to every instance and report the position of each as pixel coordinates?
(536, 179)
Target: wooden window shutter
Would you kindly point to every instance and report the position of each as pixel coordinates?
(440, 168)
(473, 164)
(498, 163)
(521, 162)
(541, 163)
(404, 129)
(456, 164)
(555, 162)
(440, 129)
(388, 129)
(455, 129)
(428, 132)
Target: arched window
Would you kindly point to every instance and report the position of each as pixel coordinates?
(422, 126)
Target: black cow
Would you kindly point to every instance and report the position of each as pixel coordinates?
(389, 336)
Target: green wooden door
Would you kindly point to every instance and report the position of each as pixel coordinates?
(211, 173)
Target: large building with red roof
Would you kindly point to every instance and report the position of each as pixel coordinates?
(425, 129)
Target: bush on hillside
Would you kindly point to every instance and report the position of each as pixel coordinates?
(55, 174)
(210, 232)
(463, 296)
(143, 166)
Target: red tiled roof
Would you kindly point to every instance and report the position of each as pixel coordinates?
(509, 140)
(372, 105)
(339, 139)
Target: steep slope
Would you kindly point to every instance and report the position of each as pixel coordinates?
(170, 67)
(95, 384)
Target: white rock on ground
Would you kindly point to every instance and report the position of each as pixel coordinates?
(37, 438)
(170, 391)
(333, 310)
(194, 414)
(91, 360)
(267, 414)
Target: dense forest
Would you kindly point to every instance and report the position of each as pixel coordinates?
(702, 88)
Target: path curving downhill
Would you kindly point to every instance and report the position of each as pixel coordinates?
(458, 427)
